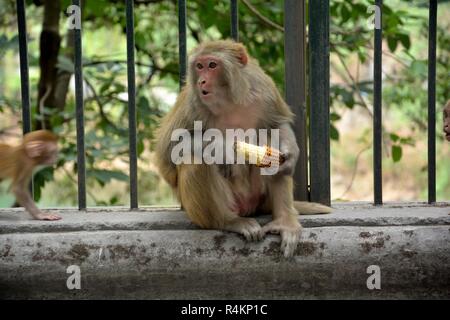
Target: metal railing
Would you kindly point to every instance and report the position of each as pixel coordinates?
(318, 188)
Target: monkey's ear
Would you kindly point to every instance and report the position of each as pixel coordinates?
(242, 55)
(35, 149)
(244, 58)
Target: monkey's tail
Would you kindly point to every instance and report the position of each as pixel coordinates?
(305, 208)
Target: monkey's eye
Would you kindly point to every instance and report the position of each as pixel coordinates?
(199, 66)
(212, 65)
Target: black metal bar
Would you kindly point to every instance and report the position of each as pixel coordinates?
(81, 162)
(24, 78)
(319, 43)
(377, 110)
(131, 105)
(234, 20)
(182, 40)
(432, 102)
(295, 84)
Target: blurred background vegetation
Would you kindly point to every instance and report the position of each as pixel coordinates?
(405, 46)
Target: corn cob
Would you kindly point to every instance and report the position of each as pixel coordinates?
(265, 155)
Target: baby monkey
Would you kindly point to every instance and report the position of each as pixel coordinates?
(38, 148)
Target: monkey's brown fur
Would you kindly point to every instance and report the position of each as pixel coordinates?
(18, 162)
(246, 98)
(447, 120)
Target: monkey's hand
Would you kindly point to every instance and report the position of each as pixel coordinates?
(46, 216)
(290, 150)
(24, 198)
(248, 227)
(289, 228)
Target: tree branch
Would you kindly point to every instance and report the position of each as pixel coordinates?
(355, 168)
(265, 20)
(100, 105)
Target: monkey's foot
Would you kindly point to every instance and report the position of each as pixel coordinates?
(248, 227)
(289, 228)
(47, 216)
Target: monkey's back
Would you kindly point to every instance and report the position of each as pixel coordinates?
(7, 161)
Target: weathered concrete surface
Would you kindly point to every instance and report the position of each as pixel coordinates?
(160, 254)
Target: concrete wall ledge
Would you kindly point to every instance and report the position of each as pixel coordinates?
(158, 254)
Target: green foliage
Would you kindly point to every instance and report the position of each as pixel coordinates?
(156, 37)
(396, 153)
(7, 44)
(397, 144)
(105, 176)
(40, 178)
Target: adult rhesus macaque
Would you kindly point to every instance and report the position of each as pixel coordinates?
(447, 120)
(17, 163)
(227, 89)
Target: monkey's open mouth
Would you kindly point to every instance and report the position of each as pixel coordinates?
(205, 93)
(447, 135)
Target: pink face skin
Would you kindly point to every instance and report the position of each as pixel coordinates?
(52, 154)
(44, 154)
(208, 69)
(447, 121)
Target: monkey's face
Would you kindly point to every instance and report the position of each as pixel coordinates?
(447, 121)
(210, 80)
(51, 155)
(42, 152)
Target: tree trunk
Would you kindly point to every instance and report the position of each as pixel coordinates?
(49, 44)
